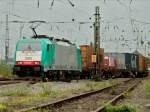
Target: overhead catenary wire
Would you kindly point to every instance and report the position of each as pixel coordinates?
(77, 9)
(75, 22)
(62, 22)
(142, 22)
(72, 4)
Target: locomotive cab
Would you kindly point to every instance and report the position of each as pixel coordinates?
(28, 57)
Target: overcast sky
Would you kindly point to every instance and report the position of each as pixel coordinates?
(122, 22)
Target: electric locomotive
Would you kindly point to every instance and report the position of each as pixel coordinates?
(46, 57)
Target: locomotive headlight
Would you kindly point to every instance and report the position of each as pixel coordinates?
(37, 62)
(19, 62)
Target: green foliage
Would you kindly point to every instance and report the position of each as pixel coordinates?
(120, 108)
(5, 70)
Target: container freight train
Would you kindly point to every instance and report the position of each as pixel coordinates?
(113, 64)
(46, 57)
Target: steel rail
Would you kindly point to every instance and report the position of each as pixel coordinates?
(117, 98)
(7, 81)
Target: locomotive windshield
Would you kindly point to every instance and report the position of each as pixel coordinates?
(36, 46)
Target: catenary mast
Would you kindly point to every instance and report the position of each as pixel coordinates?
(97, 39)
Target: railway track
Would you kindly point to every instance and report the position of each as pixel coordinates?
(7, 81)
(120, 95)
(94, 101)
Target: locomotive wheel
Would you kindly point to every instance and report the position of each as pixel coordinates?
(57, 76)
(44, 77)
(67, 77)
(19, 74)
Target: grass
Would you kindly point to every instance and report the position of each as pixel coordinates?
(94, 85)
(121, 108)
(5, 70)
(26, 95)
(2, 106)
(23, 100)
(147, 87)
(17, 91)
(47, 91)
(99, 85)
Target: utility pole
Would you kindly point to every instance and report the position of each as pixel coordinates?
(7, 41)
(145, 48)
(97, 40)
(21, 28)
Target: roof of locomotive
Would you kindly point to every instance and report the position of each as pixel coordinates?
(45, 40)
(26, 40)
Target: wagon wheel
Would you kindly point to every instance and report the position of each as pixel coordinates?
(103, 75)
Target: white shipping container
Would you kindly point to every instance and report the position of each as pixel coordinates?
(119, 59)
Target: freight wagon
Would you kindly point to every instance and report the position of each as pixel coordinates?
(143, 67)
(47, 57)
(110, 66)
(88, 66)
(124, 65)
